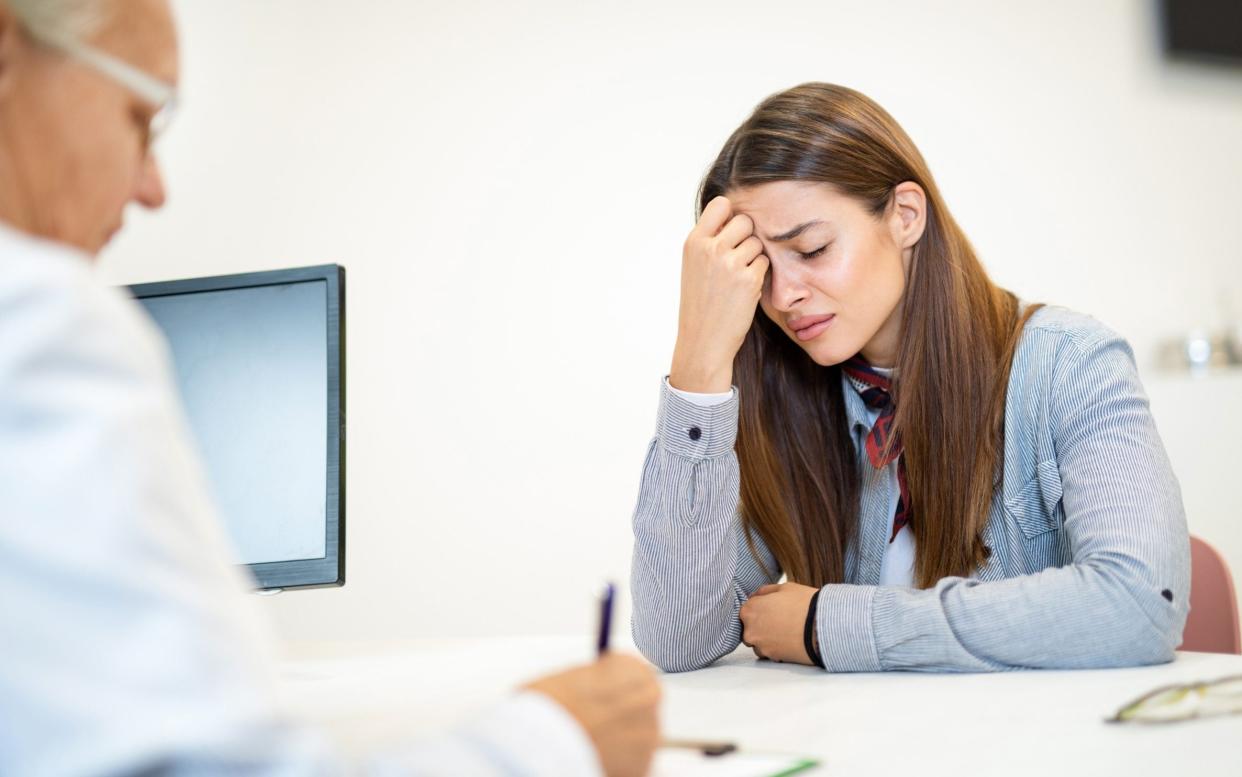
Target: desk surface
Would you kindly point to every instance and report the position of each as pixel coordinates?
(1012, 723)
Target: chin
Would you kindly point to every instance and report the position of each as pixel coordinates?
(88, 244)
(100, 242)
(827, 354)
(829, 359)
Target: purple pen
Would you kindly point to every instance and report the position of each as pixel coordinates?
(605, 617)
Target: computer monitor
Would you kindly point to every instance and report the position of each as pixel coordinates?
(260, 362)
(1202, 30)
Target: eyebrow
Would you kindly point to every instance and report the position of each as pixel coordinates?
(791, 234)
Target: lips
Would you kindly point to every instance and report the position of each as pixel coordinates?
(808, 327)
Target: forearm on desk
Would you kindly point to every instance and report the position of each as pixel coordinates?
(1078, 616)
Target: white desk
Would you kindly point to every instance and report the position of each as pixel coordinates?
(876, 724)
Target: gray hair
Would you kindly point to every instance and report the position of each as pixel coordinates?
(60, 20)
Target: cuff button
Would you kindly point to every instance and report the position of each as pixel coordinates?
(695, 433)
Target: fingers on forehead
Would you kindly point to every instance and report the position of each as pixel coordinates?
(715, 215)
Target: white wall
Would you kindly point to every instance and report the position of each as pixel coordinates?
(509, 185)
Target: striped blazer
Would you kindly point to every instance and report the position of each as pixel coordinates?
(1090, 561)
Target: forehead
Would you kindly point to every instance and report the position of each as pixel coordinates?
(142, 33)
(782, 205)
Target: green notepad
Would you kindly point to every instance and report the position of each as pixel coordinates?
(678, 762)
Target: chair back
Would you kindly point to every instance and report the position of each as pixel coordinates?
(1212, 626)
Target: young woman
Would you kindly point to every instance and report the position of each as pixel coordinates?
(949, 479)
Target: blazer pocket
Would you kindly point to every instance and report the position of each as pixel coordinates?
(1036, 507)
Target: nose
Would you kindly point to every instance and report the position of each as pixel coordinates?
(785, 286)
(149, 188)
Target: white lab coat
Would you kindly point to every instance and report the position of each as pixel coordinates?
(127, 641)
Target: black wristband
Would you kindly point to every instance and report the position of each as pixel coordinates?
(808, 633)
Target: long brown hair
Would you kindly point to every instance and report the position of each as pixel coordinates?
(799, 478)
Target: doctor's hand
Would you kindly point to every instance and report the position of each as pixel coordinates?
(773, 622)
(616, 700)
(722, 270)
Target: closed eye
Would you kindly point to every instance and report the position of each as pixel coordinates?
(813, 254)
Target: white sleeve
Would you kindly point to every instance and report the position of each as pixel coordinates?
(702, 400)
(503, 742)
(128, 644)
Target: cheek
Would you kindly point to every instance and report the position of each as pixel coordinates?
(874, 277)
(80, 154)
(770, 311)
(765, 302)
(102, 170)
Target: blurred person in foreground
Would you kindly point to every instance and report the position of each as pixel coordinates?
(129, 646)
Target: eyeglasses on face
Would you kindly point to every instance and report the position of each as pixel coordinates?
(161, 95)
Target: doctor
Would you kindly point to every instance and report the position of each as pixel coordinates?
(127, 645)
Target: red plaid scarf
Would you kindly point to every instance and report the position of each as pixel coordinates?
(876, 391)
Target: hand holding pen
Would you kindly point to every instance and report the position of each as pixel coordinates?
(616, 700)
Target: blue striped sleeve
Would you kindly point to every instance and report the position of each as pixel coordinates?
(692, 569)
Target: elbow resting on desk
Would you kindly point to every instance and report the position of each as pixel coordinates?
(671, 660)
(673, 653)
(1133, 620)
(675, 645)
(1144, 623)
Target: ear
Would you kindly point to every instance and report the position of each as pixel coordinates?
(908, 216)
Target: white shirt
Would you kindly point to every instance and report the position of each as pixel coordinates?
(897, 566)
(127, 641)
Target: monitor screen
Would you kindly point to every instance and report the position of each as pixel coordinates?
(1205, 30)
(258, 361)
